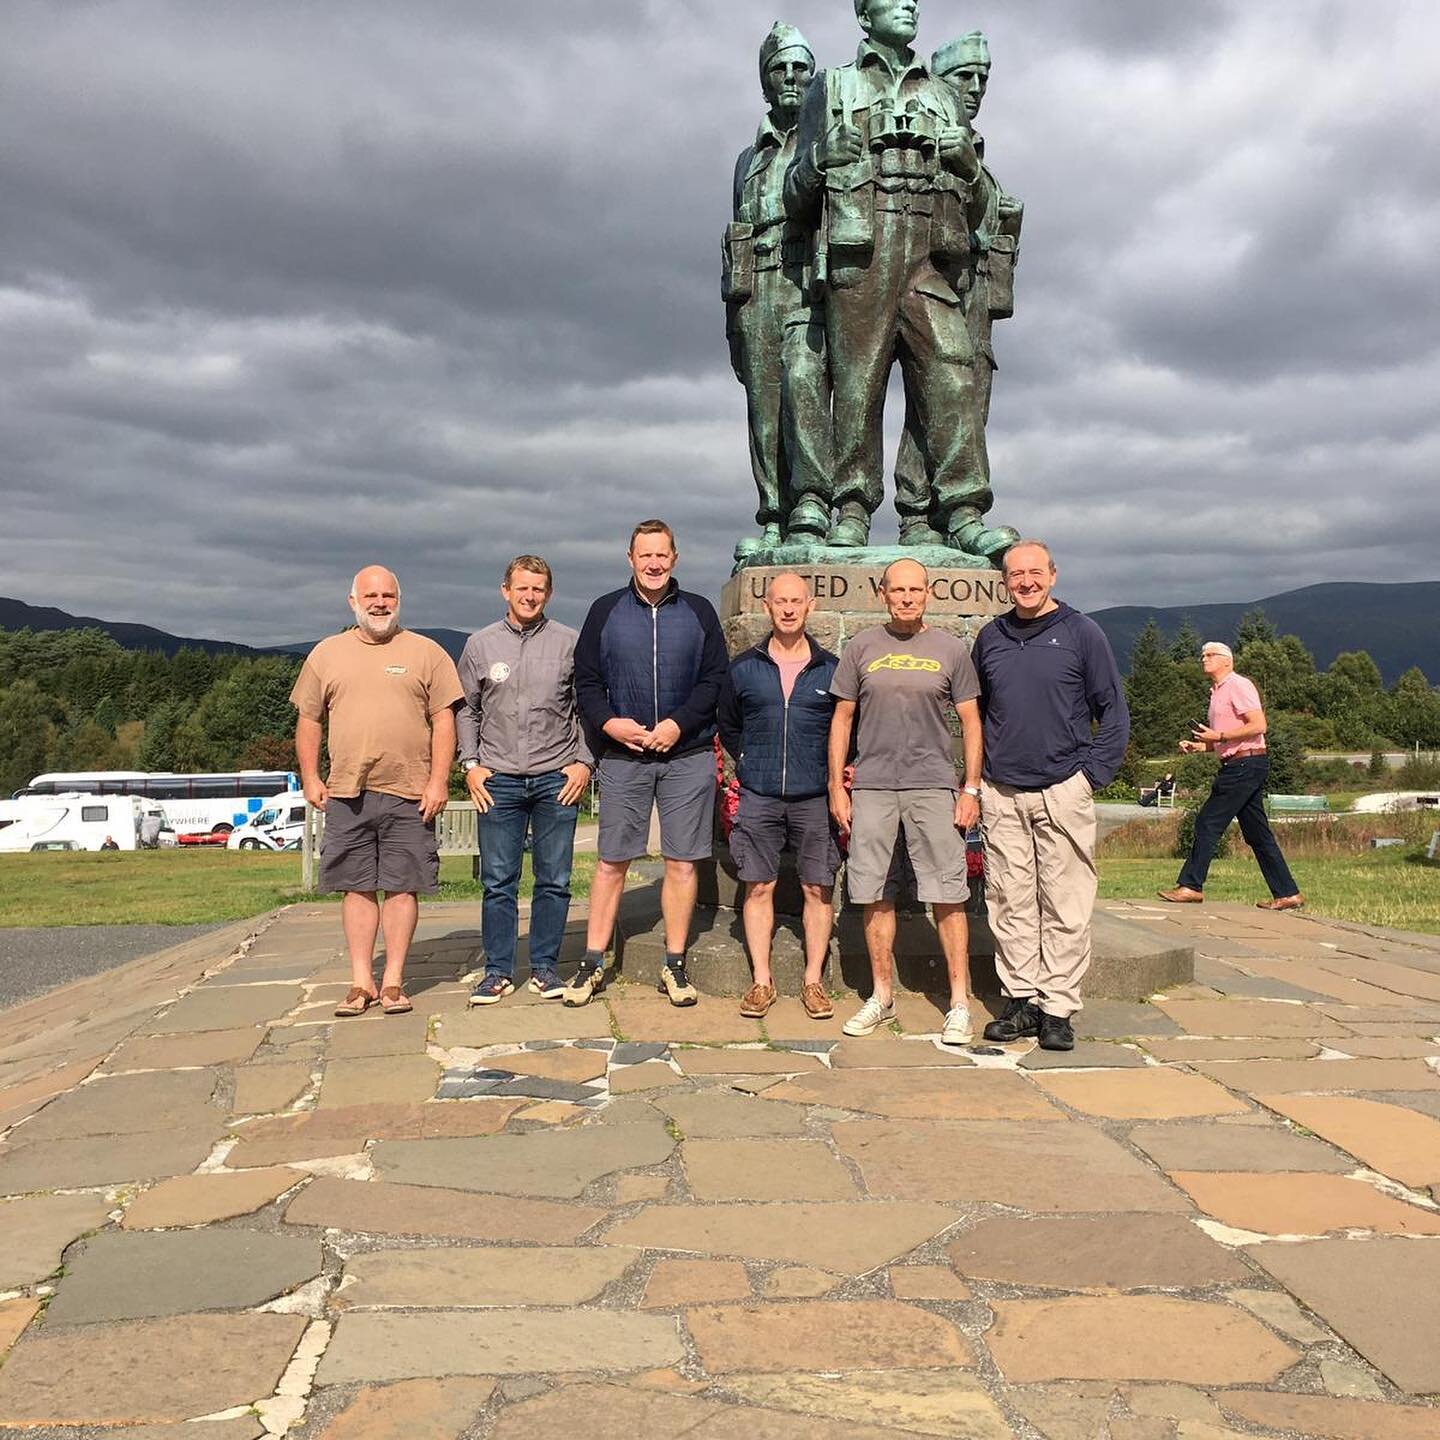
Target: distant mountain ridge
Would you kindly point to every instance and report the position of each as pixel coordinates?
(1399, 624)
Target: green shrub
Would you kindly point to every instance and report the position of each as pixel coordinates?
(1185, 837)
(1379, 766)
(1420, 772)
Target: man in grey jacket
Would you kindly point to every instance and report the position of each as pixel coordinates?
(526, 763)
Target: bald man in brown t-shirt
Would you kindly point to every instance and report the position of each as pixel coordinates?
(389, 696)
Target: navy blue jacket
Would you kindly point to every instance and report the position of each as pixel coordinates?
(651, 663)
(1041, 686)
(779, 746)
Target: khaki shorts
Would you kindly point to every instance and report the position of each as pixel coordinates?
(936, 848)
(376, 842)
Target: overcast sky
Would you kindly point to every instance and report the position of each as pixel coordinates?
(290, 287)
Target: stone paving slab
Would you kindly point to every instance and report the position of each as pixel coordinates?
(891, 1052)
(557, 1164)
(830, 1334)
(169, 1369)
(1122, 1020)
(1381, 1295)
(1276, 1077)
(379, 1079)
(566, 1062)
(35, 1231)
(263, 1089)
(716, 1115)
(1187, 1049)
(1107, 1252)
(925, 1402)
(1202, 1145)
(642, 1015)
(783, 1169)
(376, 1208)
(226, 1008)
(1087, 1055)
(132, 1276)
(451, 1278)
(675, 1283)
(204, 1199)
(1392, 1139)
(506, 1024)
(1045, 1168)
(1332, 1419)
(744, 1062)
(1302, 1204)
(648, 1075)
(856, 1237)
(377, 1347)
(23, 1098)
(103, 1159)
(422, 1409)
(172, 1052)
(1250, 1018)
(127, 1105)
(1154, 1093)
(1386, 1047)
(376, 1033)
(1134, 1337)
(956, 1094)
(15, 1315)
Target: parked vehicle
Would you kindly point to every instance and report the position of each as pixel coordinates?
(279, 825)
(72, 821)
(201, 809)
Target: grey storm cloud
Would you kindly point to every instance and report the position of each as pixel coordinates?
(287, 288)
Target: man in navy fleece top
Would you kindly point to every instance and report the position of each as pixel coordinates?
(649, 664)
(1056, 727)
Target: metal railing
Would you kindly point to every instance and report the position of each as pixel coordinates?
(457, 829)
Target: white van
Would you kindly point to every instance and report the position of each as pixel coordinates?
(281, 821)
(72, 822)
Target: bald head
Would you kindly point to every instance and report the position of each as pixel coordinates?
(905, 588)
(788, 603)
(375, 602)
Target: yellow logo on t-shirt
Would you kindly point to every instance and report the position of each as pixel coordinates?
(893, 661)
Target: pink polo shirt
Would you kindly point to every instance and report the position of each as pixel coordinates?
(1231, 701)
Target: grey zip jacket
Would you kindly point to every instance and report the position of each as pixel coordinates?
(520, 715)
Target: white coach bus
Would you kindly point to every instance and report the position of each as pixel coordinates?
(201, 809)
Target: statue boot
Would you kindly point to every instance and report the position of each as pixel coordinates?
(969, 532)
(769, 540)
(917, 530)
(851, 528)
(809, 520)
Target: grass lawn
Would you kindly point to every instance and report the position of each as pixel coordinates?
(183, 887)
(1378, 887)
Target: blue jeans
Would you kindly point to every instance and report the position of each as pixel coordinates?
(1238, 794)
(521, 802)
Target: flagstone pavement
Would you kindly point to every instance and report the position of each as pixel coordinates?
(1217, 1217)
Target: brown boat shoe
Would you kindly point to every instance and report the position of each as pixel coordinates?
(816, 1002)
(757, 1000)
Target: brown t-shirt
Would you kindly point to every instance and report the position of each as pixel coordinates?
(379, 700)
(904, 688)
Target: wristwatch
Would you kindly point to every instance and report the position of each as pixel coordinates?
(972, 790)
(466, 766)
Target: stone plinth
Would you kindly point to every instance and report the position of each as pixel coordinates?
(847, 597)
(1131, 962)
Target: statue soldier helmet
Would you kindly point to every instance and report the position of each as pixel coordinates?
(971, 49)
(783, 39)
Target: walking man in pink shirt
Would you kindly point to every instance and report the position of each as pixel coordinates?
(1236, 732)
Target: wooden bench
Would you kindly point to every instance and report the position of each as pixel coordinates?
(1299, 805)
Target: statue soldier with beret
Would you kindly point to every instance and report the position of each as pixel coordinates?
(776, 331)
(964, 65)
(887, 174)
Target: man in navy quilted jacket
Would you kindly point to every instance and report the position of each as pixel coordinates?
(648, 669)
(774, 718)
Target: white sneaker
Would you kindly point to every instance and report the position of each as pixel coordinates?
(957, 1029)
(869, 1017)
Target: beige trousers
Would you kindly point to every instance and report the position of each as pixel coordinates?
(1040, 883)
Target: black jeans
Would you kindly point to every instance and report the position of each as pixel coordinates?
(1237, 795)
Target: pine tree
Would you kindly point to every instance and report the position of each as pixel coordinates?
(1160, 706)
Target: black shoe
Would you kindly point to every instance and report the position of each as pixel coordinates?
(1055, 1033)
(1020, 1021)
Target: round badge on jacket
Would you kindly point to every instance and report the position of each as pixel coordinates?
(499, 671)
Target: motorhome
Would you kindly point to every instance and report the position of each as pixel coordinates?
(72, 821)
(279, 824)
